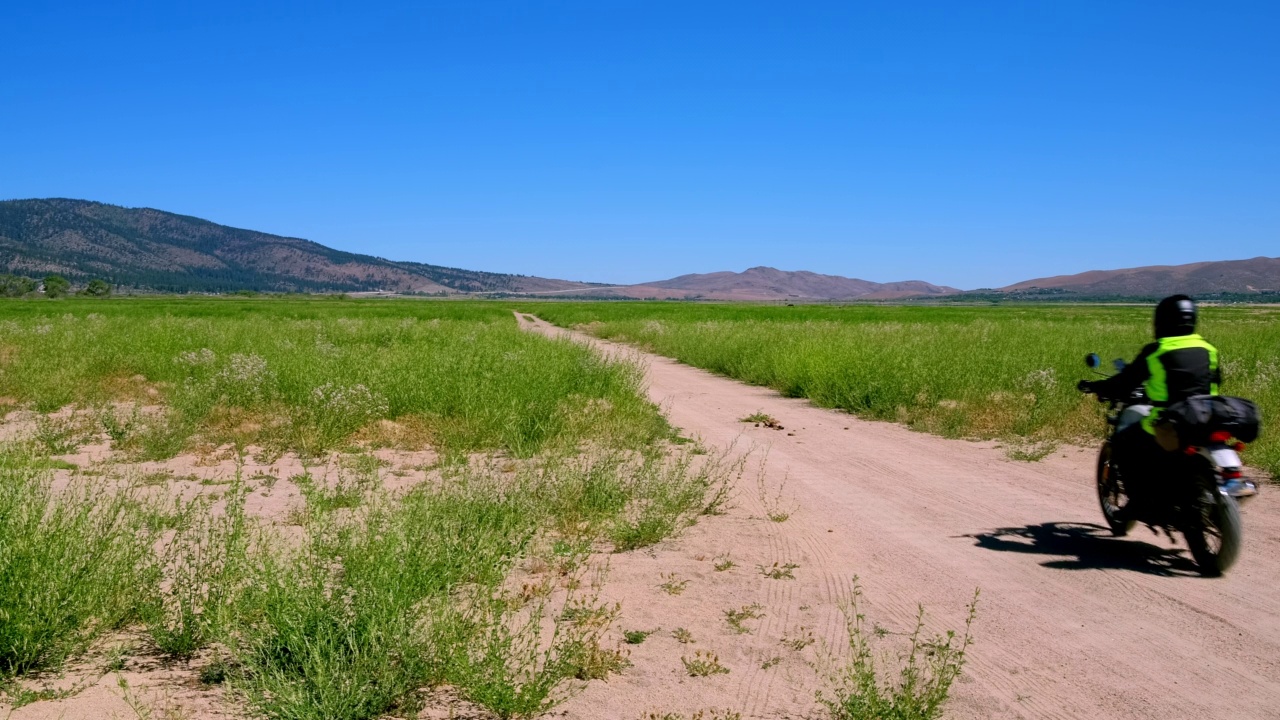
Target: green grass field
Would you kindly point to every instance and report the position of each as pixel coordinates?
(353, 604)
(1006, 372)
(308, 374)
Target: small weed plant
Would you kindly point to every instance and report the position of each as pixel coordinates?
(703, 664)
(595, 662)
(673, 585)
(635, 637)
(775, 508)
(215, 672)
(116, 658)
(802, 639)
(60, 435)
(709, 714)
(763, 419)
(19, 696)
(917, 689)
(586, 613)
(778, 571)
(1030, 450)
(348, 490)
(736, 617)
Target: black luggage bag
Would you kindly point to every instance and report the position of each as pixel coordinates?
(1193, 420)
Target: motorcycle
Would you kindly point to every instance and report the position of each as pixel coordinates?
(1199, 497)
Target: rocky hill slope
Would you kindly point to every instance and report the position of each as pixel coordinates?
(766, 283)
(156, 250)
(1258, 275)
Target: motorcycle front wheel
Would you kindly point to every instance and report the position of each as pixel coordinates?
(1215, 537)
(1111, 494)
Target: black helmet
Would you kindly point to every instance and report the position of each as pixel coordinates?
(1175, 316)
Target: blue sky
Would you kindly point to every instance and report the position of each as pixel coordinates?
(968, 144)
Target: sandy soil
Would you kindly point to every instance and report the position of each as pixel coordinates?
(1072, 622)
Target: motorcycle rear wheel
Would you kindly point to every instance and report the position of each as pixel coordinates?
(1215, 537)
(1111, 494)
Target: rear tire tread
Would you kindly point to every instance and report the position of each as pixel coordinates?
(1226, 516)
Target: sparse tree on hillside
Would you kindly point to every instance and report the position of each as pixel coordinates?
(56, 286)
(16, 285)
(97, 288)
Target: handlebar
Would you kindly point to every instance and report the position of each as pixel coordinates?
(1137, 396)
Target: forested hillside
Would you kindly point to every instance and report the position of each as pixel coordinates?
(164, 252)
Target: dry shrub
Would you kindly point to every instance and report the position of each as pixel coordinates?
(130, 388)
(407, 432)
(243, 427)
(995, 417)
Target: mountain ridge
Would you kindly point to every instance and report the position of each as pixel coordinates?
(156, 250)
(799, 284)
(1259, 274)
(159, 250)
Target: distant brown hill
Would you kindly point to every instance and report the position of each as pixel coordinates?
(766, 283)
(157, 250)
(1261, 274)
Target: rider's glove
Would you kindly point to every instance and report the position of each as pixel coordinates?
(1085, 386)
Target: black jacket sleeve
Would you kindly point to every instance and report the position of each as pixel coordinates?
(1133, 375)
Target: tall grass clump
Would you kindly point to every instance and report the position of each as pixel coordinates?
(471, 580)
(633, 499)
(921, 670)
(384, 597)
(1006, 372)
(312, 375)
(336, 630)
(198, 574)
(72, 566)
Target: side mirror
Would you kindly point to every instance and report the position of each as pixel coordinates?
(1092, 360)
(1118, 364)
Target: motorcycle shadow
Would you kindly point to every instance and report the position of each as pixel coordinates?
(1084, 546)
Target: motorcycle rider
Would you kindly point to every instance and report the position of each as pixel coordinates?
(1177, 365)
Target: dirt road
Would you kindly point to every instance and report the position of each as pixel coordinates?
(1072, 623)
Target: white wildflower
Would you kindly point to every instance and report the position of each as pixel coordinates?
(353, 402)
(196, 358)
(1045, 378)
(245, 376)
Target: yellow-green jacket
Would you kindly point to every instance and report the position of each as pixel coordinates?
(1170, 369)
